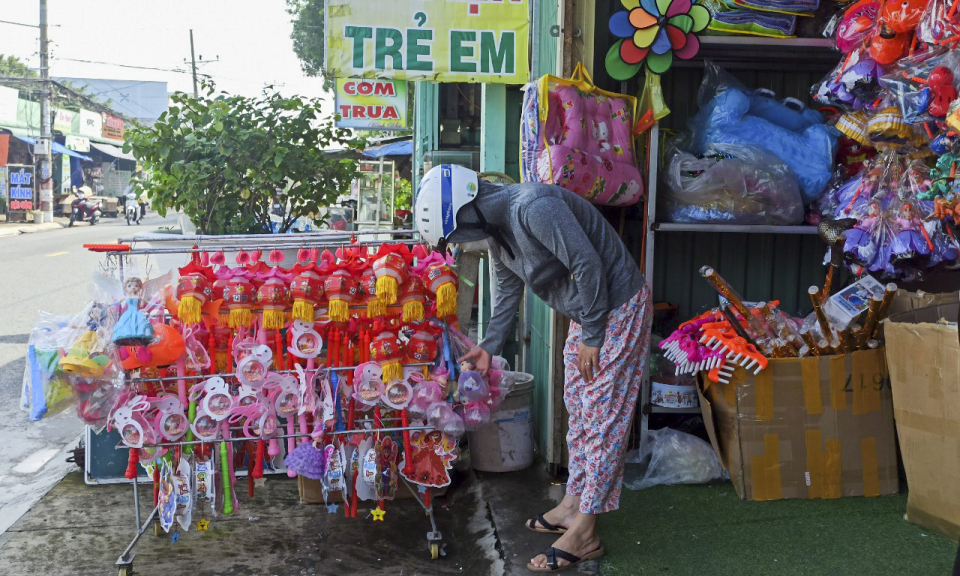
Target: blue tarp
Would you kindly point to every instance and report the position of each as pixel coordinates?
(401, 148)
(56, 147)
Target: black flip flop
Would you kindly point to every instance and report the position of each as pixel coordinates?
(548, 528)
(554, 566)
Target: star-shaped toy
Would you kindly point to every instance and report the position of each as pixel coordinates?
(203, 525)
(175, 537)
(332, 508)
(378, 514)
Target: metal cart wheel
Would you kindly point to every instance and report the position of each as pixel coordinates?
(434, 550)
(157, 529)
(125, 571)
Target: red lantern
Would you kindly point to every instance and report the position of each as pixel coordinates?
(412, 296)
(441, 281)
(387, 350)
(193, 291)
(238, 298)
(307, 292)
(391, 271)
(422, 346)
(341, 289)
(368, 291)
(273, 297)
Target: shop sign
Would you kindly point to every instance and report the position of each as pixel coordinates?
(480, 41)
(375, 104)
(20, 183)
(91, 124)
(77, 143)
(8, 103)
(112, 127)
(63, 120)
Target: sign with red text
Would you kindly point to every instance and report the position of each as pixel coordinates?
(371, 104)
(20, 187)
(112, 127)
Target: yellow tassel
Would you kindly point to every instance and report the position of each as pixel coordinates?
(223, 318)
(387, 288)
(392, 371)
(274, 319)
(446, 300)
(189, 310)
(413, 311)
(376, 308)
(339, 310)
(303, 311)
(240, 318)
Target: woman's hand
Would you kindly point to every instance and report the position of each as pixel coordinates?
(588, 361)
(480, 359)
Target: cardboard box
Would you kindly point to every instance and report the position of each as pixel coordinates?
(905, 301)
(806, 428)
(924, 360)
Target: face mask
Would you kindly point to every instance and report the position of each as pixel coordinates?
(475, 246)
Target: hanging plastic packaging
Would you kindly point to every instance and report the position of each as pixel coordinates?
(580, 137)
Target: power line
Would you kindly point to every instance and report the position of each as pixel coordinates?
(177, 70)
(19, 24)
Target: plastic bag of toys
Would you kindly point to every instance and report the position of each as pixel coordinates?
(733, 184)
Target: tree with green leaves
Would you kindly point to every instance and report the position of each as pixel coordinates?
(308, 39)
(224, 160)
(13, 66)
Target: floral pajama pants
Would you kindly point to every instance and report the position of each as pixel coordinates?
(601, 410)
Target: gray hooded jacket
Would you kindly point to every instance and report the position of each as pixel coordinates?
(564, 250)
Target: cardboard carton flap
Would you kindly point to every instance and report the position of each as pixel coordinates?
(707, 410)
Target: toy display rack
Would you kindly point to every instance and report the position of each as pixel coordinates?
(127, 247)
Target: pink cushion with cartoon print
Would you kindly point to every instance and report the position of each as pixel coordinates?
(590, 176)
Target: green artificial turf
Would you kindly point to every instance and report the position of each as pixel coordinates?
(709, 531)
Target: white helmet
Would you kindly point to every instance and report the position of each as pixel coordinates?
(444, 190)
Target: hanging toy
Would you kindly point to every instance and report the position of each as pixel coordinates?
(441, 281)
(368, 383)
(412, 296)
(423, 345)
(341, 289)
(940, 81)
(194, 289)
(238, 298)
(273, 295)
(391, 271)
(306, 289)
(376, 307)
(387, 350)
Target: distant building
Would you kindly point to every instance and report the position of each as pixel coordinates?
(141, 100)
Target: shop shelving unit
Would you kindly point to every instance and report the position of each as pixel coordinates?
(739, 53)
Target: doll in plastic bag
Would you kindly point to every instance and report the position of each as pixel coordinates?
(86, 353)
(910, 242)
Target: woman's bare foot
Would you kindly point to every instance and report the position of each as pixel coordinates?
(563, 515)
(581, 538)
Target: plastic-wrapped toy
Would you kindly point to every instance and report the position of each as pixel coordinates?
(133, 328)
(86, 354)
(860, 244)
(857, 24)
(910, 242)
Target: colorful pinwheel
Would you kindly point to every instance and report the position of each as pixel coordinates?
(653, 31)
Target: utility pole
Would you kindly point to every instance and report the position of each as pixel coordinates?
(42, 148)
(193, 64)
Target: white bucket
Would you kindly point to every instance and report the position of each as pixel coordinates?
(506, 443)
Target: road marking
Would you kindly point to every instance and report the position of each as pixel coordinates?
(35, 461)
(57, 254)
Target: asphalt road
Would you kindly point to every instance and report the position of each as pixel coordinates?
(47, 271)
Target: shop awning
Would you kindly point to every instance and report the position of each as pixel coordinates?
(401, 148)
(111, 150)
(56, 147)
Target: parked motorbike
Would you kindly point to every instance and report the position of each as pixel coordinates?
(84, 208)
(133, 209)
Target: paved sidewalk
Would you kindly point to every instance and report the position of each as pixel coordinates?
(17, 228)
